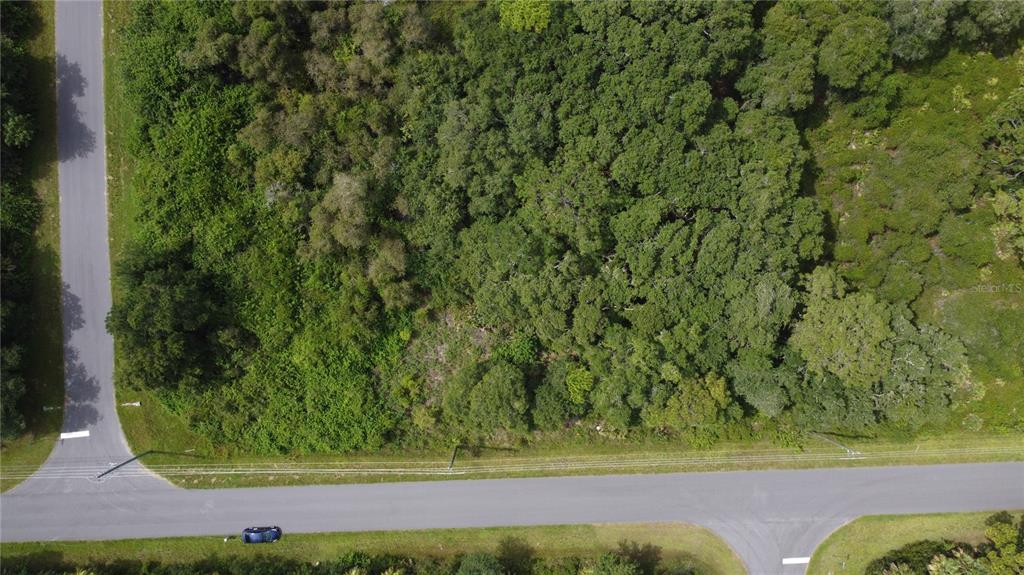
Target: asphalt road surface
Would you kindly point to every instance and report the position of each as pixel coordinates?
(765, 515)
(85, 264)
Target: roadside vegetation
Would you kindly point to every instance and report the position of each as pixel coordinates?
(31, 369)
(911, 209)
(190, 460)
(606, 549)
(391, 228)
(935, 544)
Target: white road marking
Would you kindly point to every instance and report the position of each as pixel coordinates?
(74, 434)
(796, 560)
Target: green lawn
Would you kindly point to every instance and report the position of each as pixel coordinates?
(680, 543)
(120, 165)
(851, 548)
(22, 456)
(44, 351)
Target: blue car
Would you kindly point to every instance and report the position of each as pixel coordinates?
(261, 534)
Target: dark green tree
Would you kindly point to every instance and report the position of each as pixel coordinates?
(480, 564)
(20, 211)
(167, 322)
(784, 79)
(918, 27)
(854, 54)
(498, 402)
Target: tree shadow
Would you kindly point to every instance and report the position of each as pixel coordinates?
(477, 449)
(44, 375)
(646, 557)
(81, 393)
(176, 454)
(39, 561)
(71, 312)
(145, 453)
(74, 138)
(81, 389)
(516, 556)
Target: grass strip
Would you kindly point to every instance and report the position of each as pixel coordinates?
(852, 547)
(679, 543)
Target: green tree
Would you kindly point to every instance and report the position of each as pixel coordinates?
(579, 381)
(760, 382)
(20, 212)
(855, 53)
(1006, 556)
(918, 27)
(697, 409)
(846, 335)
(271, 50)
(586, 216)
(784, 79)
(12, 388)
(498, 402)
(166, 322)
(959, 563)
(613, 564)
(387, 272)
(340, 219)
(552, 407)
(988, 22)
(907, 374)
(520, 15)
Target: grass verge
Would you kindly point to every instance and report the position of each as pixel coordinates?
(852, 547)
(44, 372)
(121, 203)
(679, 543)
(189, 460)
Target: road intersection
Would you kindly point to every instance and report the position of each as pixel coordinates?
(767, 516)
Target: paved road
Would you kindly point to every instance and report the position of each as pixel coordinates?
(764, 515)
(85, 264)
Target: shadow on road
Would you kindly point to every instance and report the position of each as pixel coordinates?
(81, 390)
(145, 453)
(74, 138)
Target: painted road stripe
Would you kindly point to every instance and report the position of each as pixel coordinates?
(796, 560)
(74, 434)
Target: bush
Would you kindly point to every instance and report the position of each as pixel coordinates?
(480, 564)
(916, 556)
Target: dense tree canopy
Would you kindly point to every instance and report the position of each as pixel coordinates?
(20, 207)
(412, 223)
